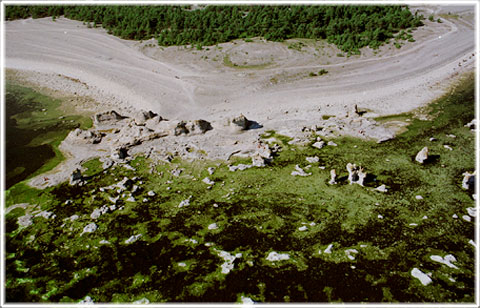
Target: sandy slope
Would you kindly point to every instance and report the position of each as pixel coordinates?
(178, 83)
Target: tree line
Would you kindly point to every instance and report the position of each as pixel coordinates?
(349, 27)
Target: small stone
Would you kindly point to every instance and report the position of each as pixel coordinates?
(151, 193)
(382, 188)
(312, 160)
(208, 181)
(331, 143)
(211, 170)
(454, 216)
(133, 239)
(318, 144)
(380, 216)
(275, 256)
(472, 211)
(418, 197)
(328, 249)
(467, 218)
(90, 228)
(212, 226)
(303, 228)
(424, 279)
(448, 147)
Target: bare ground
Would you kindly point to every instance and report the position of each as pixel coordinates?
(267, 82)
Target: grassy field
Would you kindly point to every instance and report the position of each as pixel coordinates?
(176, 239)
(35, 126)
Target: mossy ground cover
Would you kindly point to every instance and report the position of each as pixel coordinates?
(35, 126)
(159, 247)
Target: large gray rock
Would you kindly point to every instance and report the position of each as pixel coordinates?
(108, 116)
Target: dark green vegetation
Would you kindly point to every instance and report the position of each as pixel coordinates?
(34, 129)
(258, 211)
(348, 27)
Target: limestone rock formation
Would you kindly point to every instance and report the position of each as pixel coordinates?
(181, 128)
(108, 116)
(422, 156)
(241, 123)
(333, 177)
(85, 136)
(356, 174)
(142, 116)
(468, 180)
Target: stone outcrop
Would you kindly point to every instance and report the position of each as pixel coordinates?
(422, 156)
(142, 116)
(181, 128)
(120, 153)
(108, 116)
(192, 127)
(90, 136)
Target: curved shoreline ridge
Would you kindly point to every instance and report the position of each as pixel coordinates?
(287, 94)
(242, 166)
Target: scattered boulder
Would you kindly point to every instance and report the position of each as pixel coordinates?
(471, 124)
(319, 144)
(424, 278)
(447, 260)
(212, 226)
(208, 181)
(133, 239)
(108, 116)
(382, 188)
(300, 172)
(333, 177)
(185, 202)
(312, 160)
(211, 170)
(448, 147)
(468, 180)
(240, 167)
(331, 143)
(275, 256)
(91, 227)
(25, 220)
(241, 123)
(422, 156)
